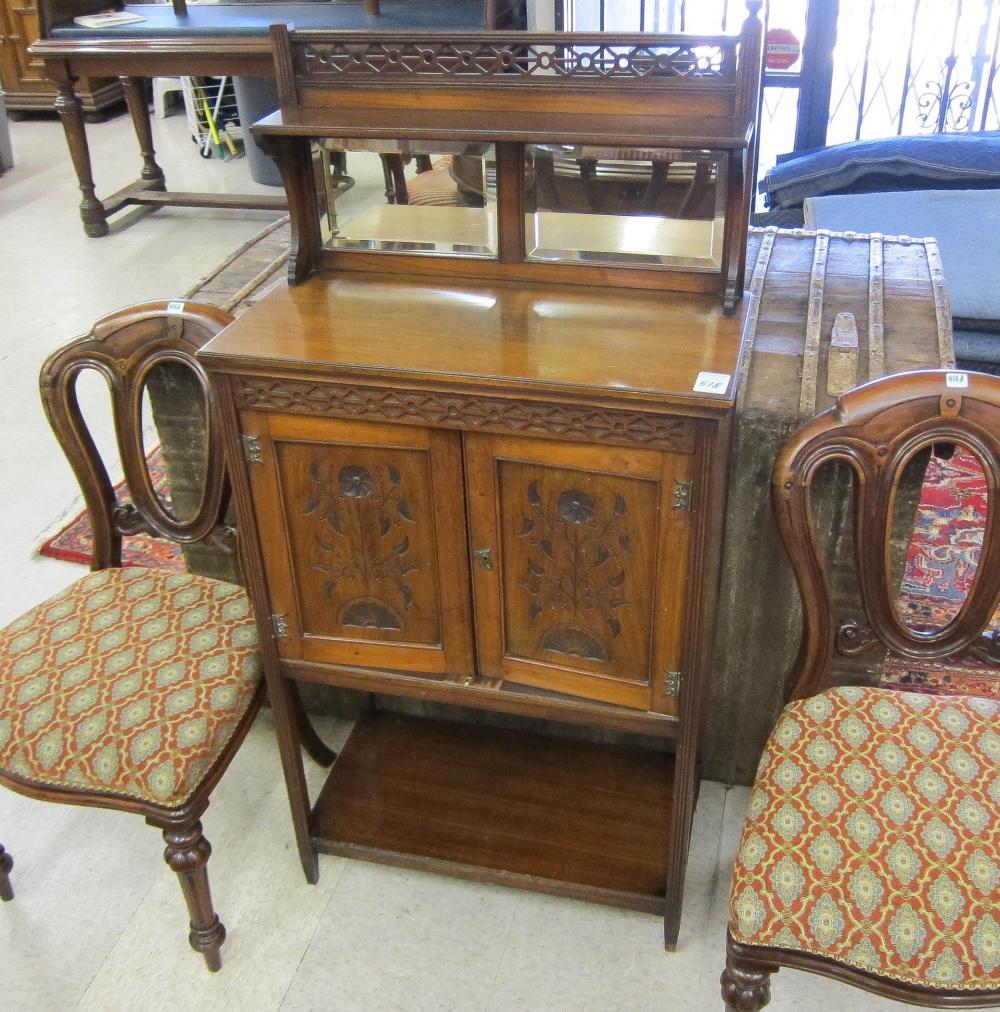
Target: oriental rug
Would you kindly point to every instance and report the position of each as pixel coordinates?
(940, 567)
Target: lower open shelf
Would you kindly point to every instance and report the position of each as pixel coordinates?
(554, 815)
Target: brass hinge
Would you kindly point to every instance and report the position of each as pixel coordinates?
(672, 683)
(280, 624)
(683, 491)
(251, 449)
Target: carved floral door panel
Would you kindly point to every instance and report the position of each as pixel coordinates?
(363, 532)
(589, 566)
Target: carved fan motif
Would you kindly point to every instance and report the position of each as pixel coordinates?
(360, 544)
(575, 569)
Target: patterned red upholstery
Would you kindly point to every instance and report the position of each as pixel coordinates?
(130, 682)
(873, 837)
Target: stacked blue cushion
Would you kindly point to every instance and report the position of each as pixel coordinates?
(935, 161)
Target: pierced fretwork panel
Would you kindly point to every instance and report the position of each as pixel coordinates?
(547, 58)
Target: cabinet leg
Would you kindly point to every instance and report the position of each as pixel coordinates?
(95, 221)
(290, 750)
(135, 99)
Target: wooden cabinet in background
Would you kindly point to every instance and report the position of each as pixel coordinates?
(22, 76)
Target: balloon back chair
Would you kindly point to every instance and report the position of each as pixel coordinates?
(871, 851)
(133, 688)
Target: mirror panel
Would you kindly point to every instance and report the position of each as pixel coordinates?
(625, 206)
(939, 511)
(417, 197)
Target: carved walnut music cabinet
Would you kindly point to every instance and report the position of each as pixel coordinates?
(481, 440)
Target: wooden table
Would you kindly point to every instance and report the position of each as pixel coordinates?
(205, 40)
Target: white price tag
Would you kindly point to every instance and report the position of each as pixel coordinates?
(175, 307)
(957, 381)
(711, 383)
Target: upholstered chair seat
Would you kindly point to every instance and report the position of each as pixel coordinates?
(131, 682)
(873, 837)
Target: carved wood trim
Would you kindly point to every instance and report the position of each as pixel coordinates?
(467, 411)
(513, 60)
(874, 430)
(125, 347)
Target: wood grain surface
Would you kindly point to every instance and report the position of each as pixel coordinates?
(518, 808)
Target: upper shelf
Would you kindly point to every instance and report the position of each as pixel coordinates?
(496, 124)
(607, 126)
(656, 90)
(646, 348)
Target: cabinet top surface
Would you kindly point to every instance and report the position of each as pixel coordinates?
(622, 344)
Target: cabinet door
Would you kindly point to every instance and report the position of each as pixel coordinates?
(580, 564)
(21, 72)
(364, 541)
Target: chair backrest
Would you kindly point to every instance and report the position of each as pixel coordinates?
(128, 348)
(876, 430)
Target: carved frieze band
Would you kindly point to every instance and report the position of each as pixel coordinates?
(513, 60)
(467, 411)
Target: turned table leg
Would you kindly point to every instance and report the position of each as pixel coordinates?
(135, 99)
(68, 105)
(187, 854)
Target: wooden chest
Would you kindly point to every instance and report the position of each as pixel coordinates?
(893, 290)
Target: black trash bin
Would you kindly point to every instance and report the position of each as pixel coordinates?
(257, 97)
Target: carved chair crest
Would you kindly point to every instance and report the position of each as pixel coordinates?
(876, 430)
(125, 348)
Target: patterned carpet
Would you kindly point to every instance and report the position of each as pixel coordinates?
(72, 542)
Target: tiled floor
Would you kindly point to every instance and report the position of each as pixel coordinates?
(98, 921)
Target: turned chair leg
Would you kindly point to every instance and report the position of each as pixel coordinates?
(746, 985)
(6, 863)
(187, 854)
